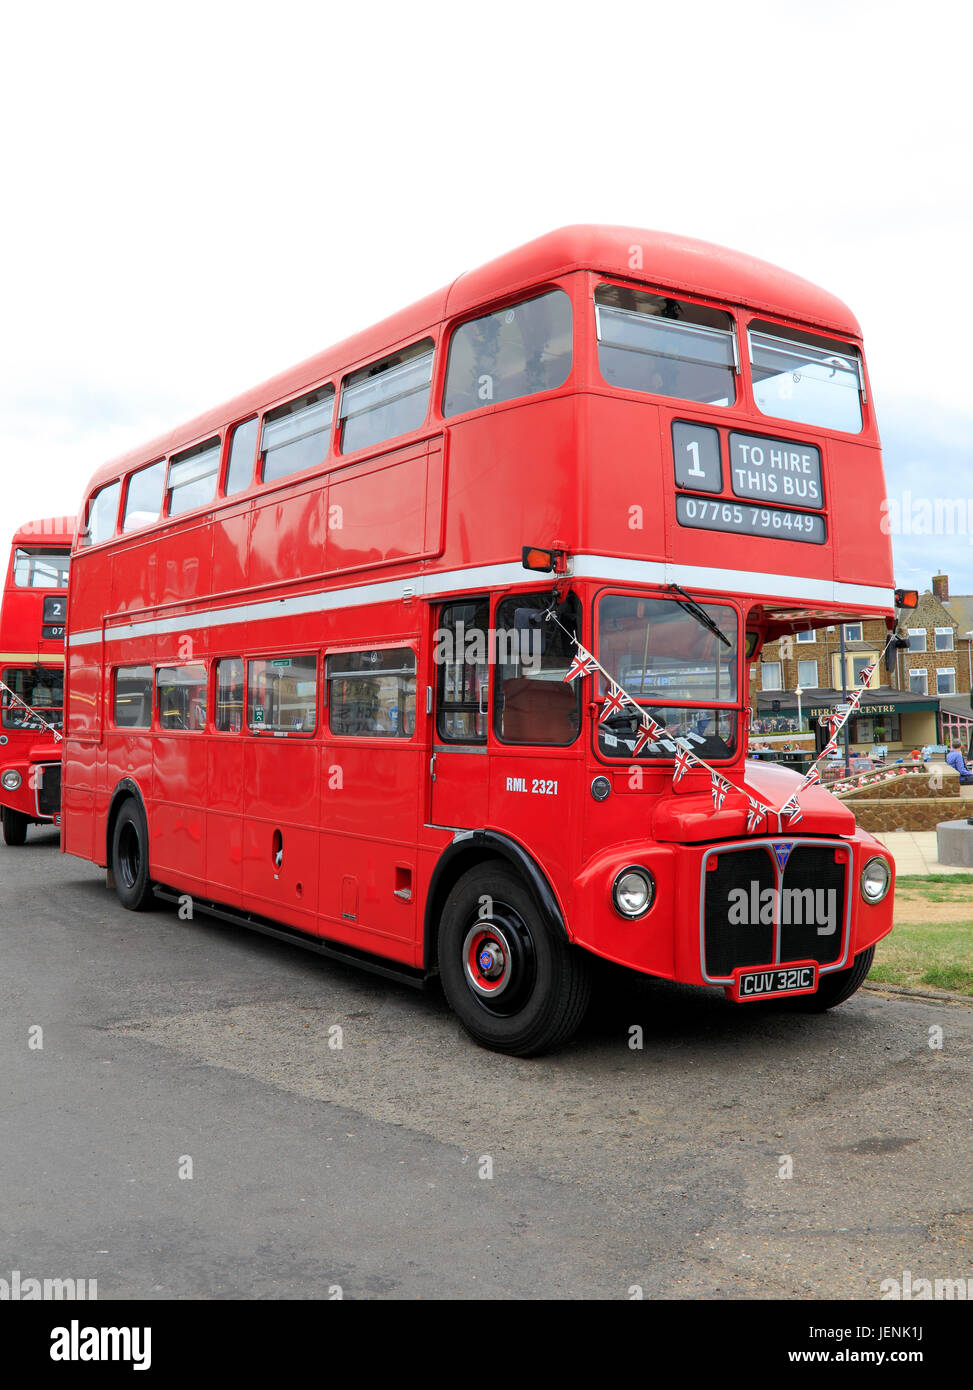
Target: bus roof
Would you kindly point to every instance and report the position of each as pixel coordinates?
(664, 260)
(45, 532)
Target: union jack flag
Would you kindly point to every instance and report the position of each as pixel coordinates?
(582, 665)
(755, 814)
(718, 788)
(793, 813)
(830, 747)
(866, 675)
(833, 721)
(812, 777)
(684, 761)
(615, 702)
(649, 732)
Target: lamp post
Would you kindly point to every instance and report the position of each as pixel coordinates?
(800, 716)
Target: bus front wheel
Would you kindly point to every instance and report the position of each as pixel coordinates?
(835, 988)
(130, 858)
(15, 825)
(516, 987)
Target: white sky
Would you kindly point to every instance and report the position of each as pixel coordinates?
(195, 196)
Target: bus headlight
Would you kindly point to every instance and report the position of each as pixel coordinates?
(633, 891)
(10, 780)
(875, 880)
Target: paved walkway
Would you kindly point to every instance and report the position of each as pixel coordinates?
(914, 852)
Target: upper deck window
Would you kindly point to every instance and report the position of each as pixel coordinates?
(800, 376)
(41, 569)
(102, 515)
(192, 477)
(513, 352)
(388, 398)
(143, 502)
(297, 435)
(664, 346)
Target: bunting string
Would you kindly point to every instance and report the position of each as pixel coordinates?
(686, 757)
(32, 712)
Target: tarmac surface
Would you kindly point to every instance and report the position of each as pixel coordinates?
(408, 1163)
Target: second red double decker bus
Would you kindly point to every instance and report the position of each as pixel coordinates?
(32, 629)
(313, 684)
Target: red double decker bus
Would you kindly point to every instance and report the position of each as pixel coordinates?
(371, 657)
(32, 628)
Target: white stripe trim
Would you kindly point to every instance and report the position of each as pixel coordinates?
(615, 571)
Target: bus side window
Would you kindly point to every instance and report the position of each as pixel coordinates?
(133, 697)
(532, 702)
(182, 697)
(372, 693)
(229, 695)
(516, 351)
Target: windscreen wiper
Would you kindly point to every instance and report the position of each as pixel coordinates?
(693, 609)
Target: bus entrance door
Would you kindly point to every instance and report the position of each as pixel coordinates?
(459, 765)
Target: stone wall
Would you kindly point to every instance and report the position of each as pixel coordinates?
(906, 786)
(899, 813)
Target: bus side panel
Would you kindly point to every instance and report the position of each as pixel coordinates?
(223, 860)
(288, 536)
(863, 551)
(512, 481)
(183, 565)
(370, 814)
(280, 791)
(624, 508)
(378, 515)
(177, 817)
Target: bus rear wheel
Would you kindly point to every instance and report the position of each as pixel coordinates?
(515, 986)
(15, 825)
(130, 858)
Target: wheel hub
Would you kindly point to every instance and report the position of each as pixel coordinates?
(487, 959)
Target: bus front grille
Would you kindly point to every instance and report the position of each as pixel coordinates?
(801, 919)
(48, 789)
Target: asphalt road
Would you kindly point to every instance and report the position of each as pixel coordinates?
(365, 1168)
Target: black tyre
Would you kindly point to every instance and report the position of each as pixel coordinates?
(15, 825)
(836, 988)
(130, 858)
(516, 987)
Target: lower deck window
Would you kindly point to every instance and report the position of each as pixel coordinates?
(372, 693)
(41, 688)
(133, 697)
(282, 694)
(182, 697)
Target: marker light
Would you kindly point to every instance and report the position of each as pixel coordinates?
(533, 557)
(633, 891)
(907, 598)
(875, 880)
(11, 780)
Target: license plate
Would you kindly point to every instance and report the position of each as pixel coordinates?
(774, 981)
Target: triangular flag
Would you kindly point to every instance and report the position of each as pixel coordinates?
(649, 732)
(582, 665)
(684, 761)
(615, 702)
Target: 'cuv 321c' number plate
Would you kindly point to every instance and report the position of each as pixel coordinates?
(772, 983)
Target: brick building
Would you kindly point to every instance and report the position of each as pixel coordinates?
(923, 699)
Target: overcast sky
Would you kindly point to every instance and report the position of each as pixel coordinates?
(196, 196)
